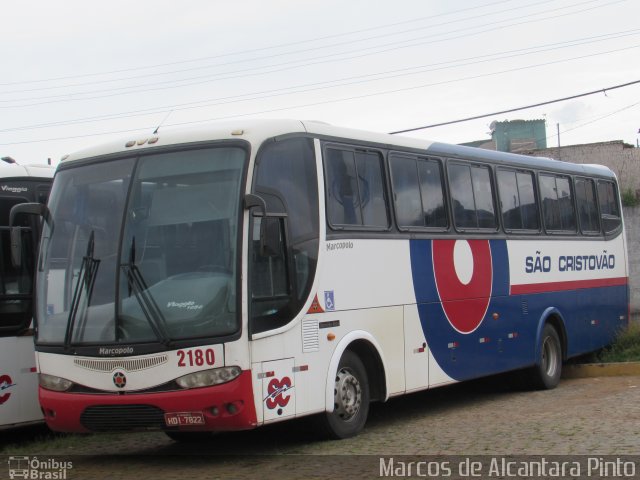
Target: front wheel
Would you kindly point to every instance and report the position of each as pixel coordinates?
(546, 373)
(351, 400)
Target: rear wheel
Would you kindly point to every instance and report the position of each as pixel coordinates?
(546, 373)
(351, 400)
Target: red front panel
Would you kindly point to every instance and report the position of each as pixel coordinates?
(229, 406)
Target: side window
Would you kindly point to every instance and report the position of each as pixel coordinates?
(609, 209)
(355, 189)
(587, 205)
(472, 196)
(417, 192)
(285, 177)
(517, 200)
(557, 203)
(270, 278)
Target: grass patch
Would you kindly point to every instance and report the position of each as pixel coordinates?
(626, 348)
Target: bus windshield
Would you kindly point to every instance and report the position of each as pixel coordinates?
(142, 250)
(16, 282)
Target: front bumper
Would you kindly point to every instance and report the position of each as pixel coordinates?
(229, 406)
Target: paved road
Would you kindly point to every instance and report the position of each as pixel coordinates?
(593, 417)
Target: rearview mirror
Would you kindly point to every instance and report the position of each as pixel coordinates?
(16, 246)
(16, 232)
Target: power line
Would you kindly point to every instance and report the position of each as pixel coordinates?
(241, 52)
(171, 84)
(602, 90)
(597, 119)
(476, 16)
(359, 79)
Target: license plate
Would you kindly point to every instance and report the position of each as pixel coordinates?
(182, 419)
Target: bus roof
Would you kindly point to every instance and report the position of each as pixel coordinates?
(15, 170)
(256, 131)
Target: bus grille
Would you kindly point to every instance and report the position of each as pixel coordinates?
(130, 365)
(104, 418)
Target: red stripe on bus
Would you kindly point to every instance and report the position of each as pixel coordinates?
(572, 285)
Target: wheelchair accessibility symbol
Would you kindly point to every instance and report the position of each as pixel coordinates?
(329, 303)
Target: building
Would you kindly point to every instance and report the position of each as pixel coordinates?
(516, 136)
(622, 158)
(529, 137)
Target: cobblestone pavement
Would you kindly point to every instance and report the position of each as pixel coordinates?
(591, 416)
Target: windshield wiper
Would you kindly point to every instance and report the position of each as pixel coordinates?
(149, 307)
(86, 282)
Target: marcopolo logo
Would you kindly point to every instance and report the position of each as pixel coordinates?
(38, 469)
(115, 351)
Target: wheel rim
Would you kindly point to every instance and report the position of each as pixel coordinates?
(550, 356)
(347, 395)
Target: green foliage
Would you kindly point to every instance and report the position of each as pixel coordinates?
(626, 347)
(629, 198)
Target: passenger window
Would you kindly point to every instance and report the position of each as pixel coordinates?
(609, 209)
(355, 189)
(517, 200)
(557, 203)
(417, 192)
(472, 196)
(587, 205)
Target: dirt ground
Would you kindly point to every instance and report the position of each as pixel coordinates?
(589, 417)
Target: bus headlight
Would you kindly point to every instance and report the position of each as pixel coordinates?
(57, 384)
(206, 378)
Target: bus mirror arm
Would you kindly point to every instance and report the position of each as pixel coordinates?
(270, 239)
(252, 200)
(16, 232)
(39, 209)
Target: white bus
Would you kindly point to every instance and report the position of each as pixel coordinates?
(18, 376)
(247, 273)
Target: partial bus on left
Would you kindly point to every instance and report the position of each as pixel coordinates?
(18, 376)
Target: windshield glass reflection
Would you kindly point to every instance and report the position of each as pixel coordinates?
(159, 268)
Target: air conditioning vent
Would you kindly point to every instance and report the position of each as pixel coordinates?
(310, 336)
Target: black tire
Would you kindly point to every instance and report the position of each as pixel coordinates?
(351, 393)
(190, 437)
(545, 375)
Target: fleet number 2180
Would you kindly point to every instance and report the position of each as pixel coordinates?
(196, 357)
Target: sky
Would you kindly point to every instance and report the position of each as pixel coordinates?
(79, 73)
